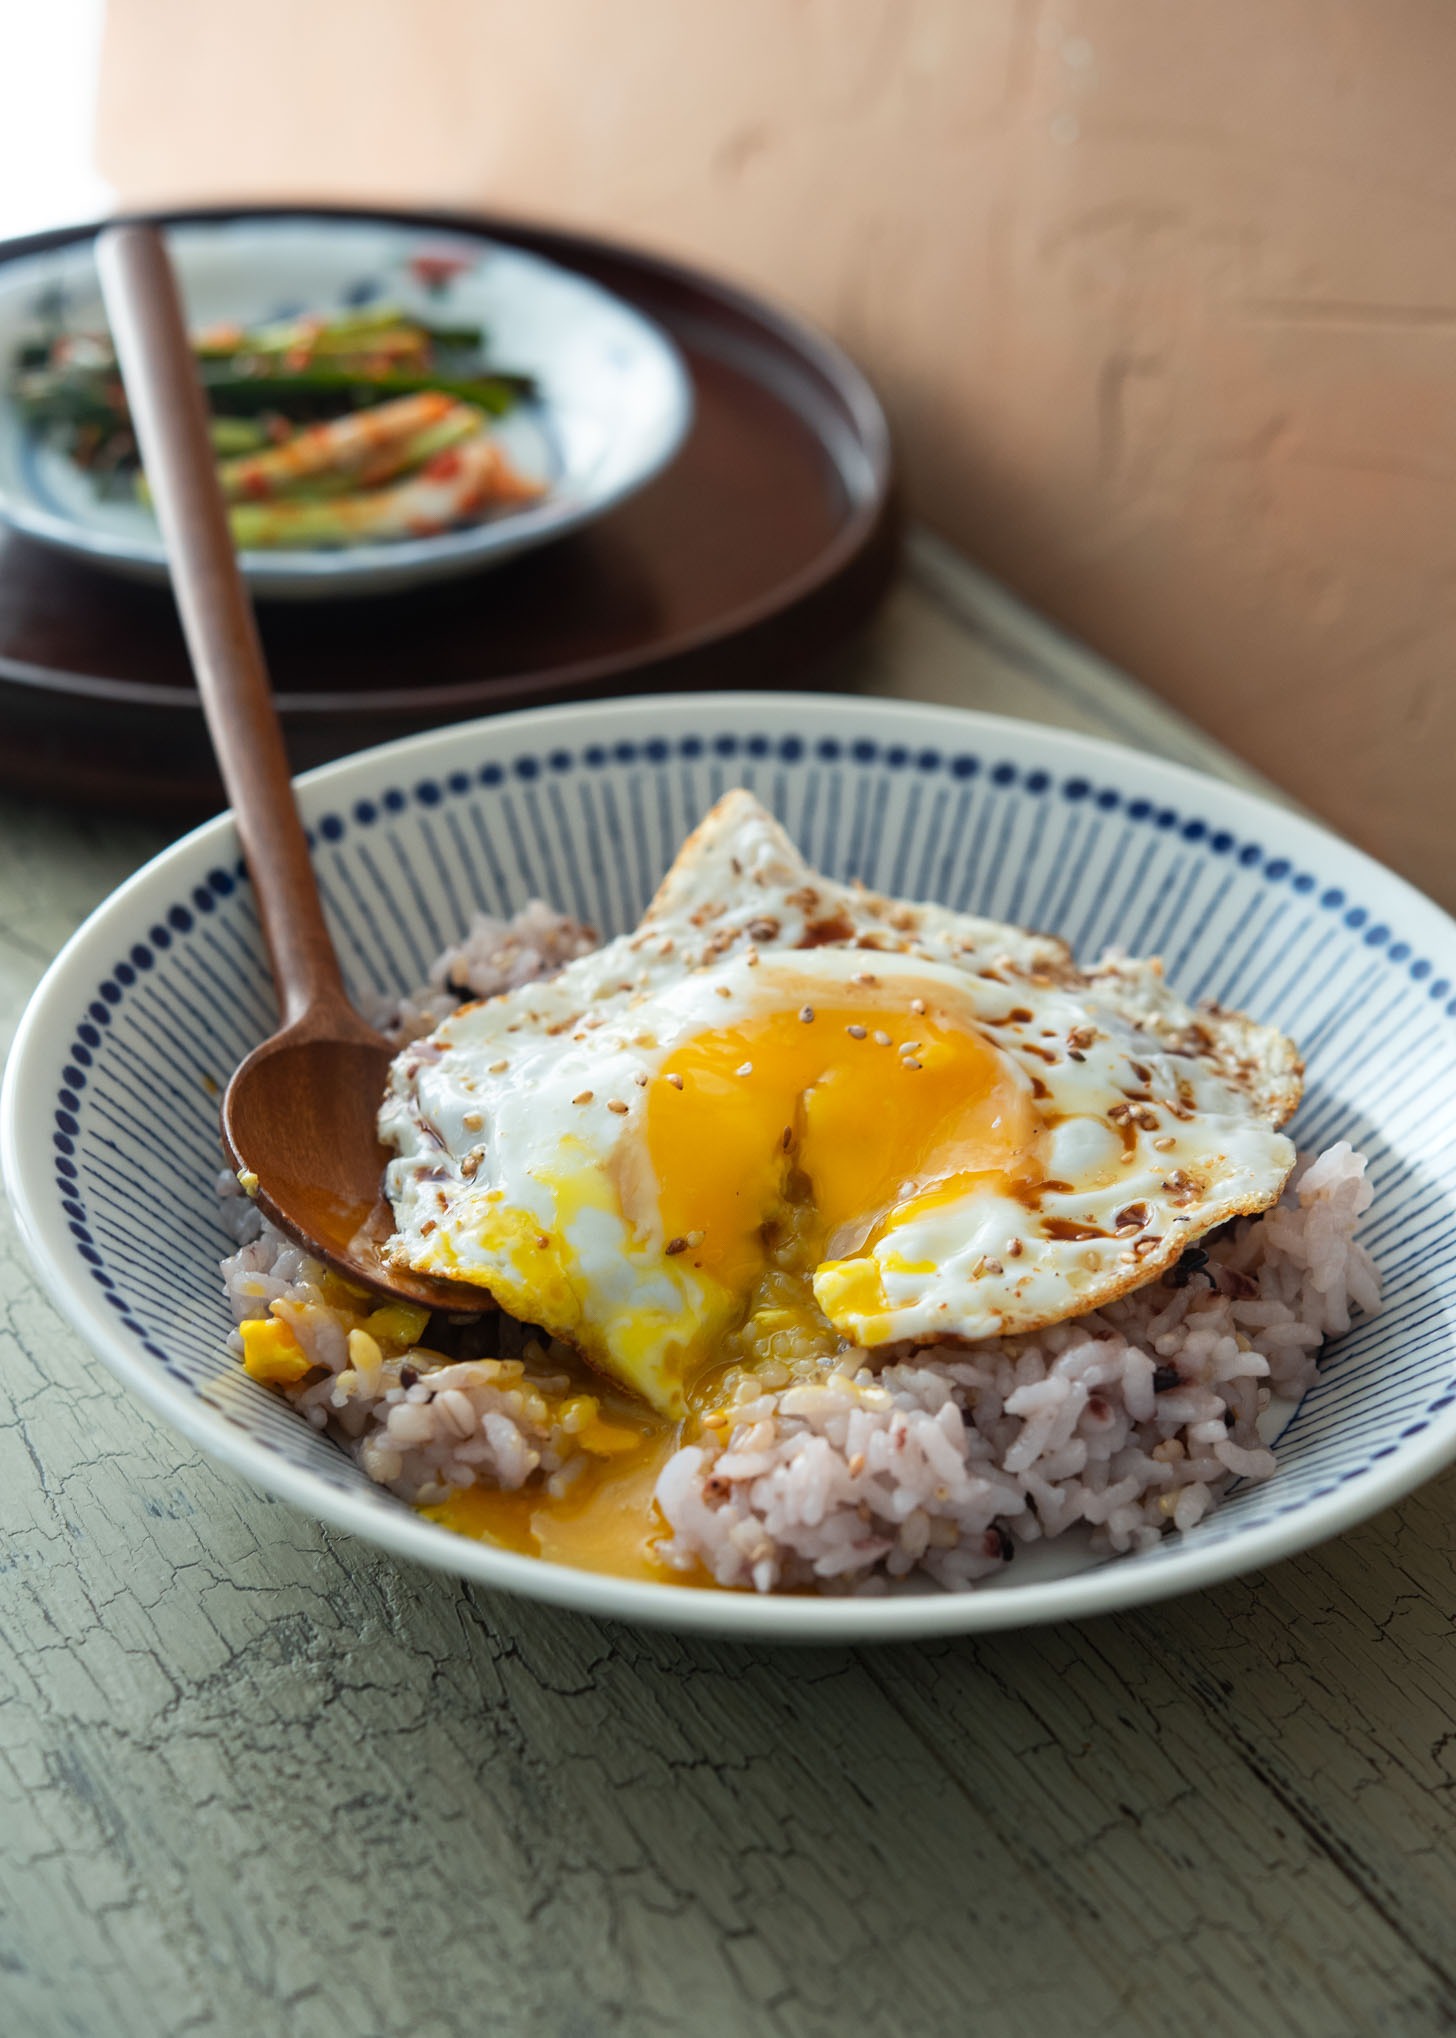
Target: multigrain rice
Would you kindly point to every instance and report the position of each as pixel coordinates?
(1125, 1422)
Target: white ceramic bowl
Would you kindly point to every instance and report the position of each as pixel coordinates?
(613, 403)
(108, 1121)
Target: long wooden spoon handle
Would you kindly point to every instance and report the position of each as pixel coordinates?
(169, 413)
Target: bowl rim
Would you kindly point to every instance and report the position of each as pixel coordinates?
(1111, 1586)
(320, 570)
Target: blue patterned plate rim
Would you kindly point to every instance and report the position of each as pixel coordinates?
(1406, 933)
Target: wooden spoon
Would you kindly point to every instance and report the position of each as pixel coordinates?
(299, 1115)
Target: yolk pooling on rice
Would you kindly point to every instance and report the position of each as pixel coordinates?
(607, 1522)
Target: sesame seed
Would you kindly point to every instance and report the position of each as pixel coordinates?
(473, 1120)
(751, 959)
(498, 1068)
(910, 1047)
(616, 1104)
(864, 977)
(1164, 1145)
(856, 1464)
(582, 1097)
(745, 1068)
(675, 1246)
(882, 1039)
(994, 1267)
(640, 1079)
(1015, 1249)
(722, 990)
(806, 1013)
(908, 1061)
(917, 1006)
(676, 1081)
(693, 1240)
(855, 1032)
(907, 1189)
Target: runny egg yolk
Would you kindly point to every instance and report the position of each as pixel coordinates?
(855, 1110)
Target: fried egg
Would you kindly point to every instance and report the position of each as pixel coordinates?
(782, 1099)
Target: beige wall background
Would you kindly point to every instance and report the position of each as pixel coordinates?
(1161, 294)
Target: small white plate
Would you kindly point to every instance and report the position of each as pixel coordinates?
(108, 1123)
(613, 398)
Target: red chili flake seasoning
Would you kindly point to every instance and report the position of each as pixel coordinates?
(435, 271)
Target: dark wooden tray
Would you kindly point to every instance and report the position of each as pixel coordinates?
(768, 540)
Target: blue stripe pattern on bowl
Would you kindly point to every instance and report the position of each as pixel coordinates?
(985, 827)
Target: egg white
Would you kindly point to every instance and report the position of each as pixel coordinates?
(520, 1125)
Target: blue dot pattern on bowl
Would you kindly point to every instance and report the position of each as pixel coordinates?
(592, 830)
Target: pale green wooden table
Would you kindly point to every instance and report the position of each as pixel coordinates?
(257, 1778)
